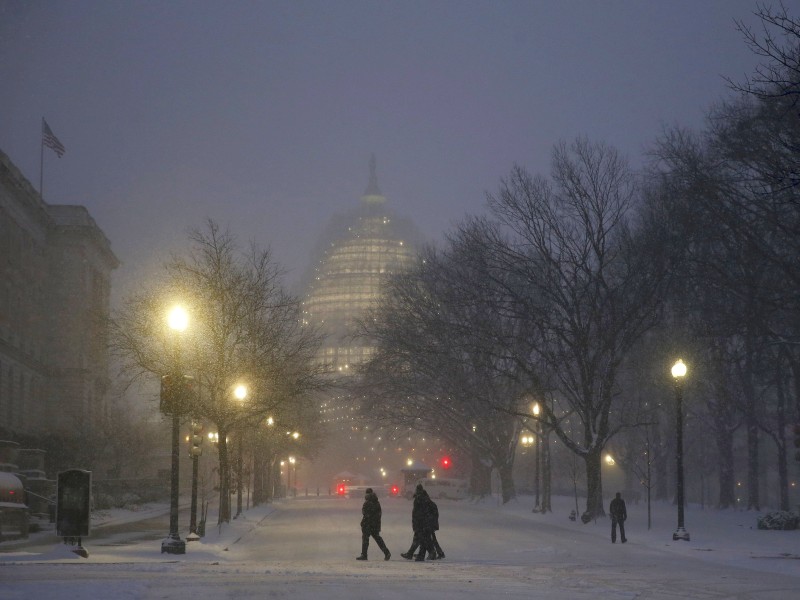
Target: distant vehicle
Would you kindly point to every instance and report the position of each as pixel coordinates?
(452, 489)
(357, 491)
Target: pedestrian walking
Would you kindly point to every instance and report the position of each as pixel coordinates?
(618, 515)
(435, 551)
(422, 524)
(371, 525)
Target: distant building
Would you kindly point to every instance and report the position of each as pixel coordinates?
(360, 249)
(357, 253)
(55, 282)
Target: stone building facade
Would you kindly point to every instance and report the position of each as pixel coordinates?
(55, 282)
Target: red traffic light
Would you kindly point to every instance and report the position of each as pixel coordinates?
(341, 489)
(395, 490)
(445, 462)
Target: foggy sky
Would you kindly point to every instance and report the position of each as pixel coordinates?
(263, 115)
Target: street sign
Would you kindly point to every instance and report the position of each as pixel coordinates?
(73, 503)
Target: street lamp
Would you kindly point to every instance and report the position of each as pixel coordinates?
(678, 373)
(195, 450)
(178, 320)
(537, 443)
(526, 441)
(240, 393)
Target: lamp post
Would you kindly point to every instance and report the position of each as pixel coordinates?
(270, 463)
(678, 373)
(536, 441)
(292, 461)
(178, 320)
(527, 441)
(195, 449)
(240, 393)
(213, 438)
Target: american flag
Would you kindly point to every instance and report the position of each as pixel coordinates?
(50, 140)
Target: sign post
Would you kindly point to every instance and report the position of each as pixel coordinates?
(73, 507)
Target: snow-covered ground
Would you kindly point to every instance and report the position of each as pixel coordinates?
(305, 548)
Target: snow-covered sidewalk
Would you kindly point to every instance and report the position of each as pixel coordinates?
(723, 537)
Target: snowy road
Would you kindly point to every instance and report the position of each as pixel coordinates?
(306, 548)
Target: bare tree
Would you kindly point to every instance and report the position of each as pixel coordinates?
(244, 329)
(585, 283)
(778, 42)
(438, 368)
(733, 192)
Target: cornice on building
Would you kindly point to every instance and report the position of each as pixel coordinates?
(61, 218)
(22, 201)
(69, 219)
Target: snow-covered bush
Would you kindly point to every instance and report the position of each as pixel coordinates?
(780, 520)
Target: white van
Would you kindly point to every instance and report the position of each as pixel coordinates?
(452, 489)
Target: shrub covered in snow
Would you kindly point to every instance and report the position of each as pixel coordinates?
(780, 520)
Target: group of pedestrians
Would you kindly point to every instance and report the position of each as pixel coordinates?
(424, 523)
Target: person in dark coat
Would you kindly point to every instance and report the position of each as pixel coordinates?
(422, 522)
(435, 550)
(618, 515)
(371, 525)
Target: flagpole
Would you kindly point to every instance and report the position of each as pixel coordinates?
(41, 163)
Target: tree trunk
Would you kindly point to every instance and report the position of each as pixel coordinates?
(239, 473)
(224, 479)
(751, 422)
(753, 475)
(545, 505)
(277, 491)
(783, 467)
(507, 488)
(480, 477)
(269, 484)
(660, 466)
(727, 477)
(258, 478)
(594, 483)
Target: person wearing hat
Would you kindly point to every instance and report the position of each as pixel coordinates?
(371, 525)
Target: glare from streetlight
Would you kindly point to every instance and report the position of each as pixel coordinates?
(240, 393)
(610, 460)
(270, 421)
(178, 318)
(536, 409)
(295, 435)
(679, 369)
